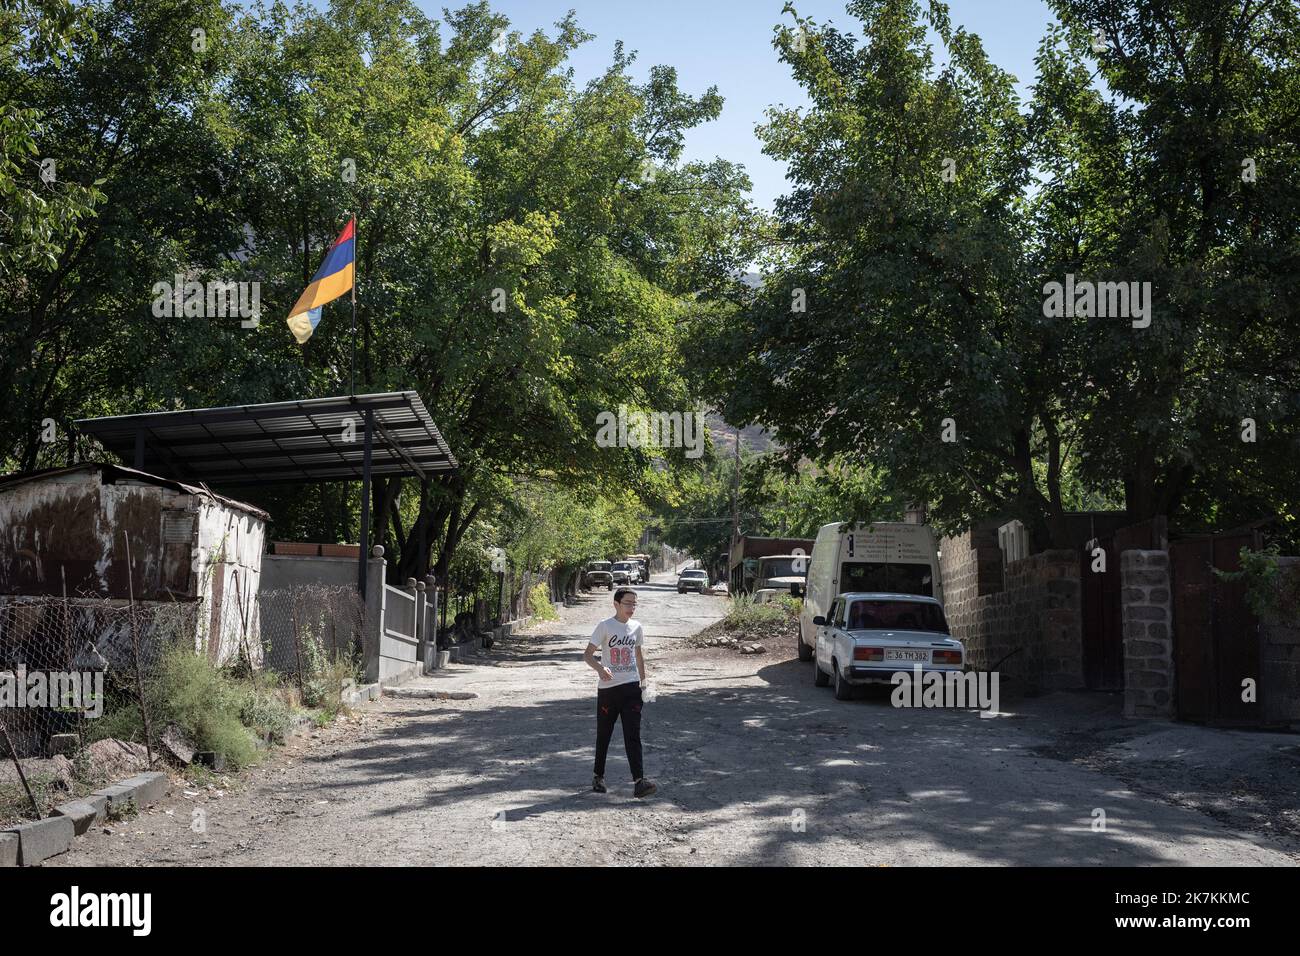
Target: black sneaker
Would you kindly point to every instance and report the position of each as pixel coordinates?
(644, 788)
(598, 784)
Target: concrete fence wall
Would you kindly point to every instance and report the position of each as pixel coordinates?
(283, 572)
(398, 620)
(399, 638)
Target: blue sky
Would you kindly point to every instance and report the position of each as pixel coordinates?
(728, 43)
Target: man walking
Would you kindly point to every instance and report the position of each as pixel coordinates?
(618, 696)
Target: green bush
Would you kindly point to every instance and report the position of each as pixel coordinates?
(324, 675)
(189, 691)
(1273, 593)
(192, 693)
(790, 605)
(539, 603)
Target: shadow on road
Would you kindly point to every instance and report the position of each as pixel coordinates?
(741, 763)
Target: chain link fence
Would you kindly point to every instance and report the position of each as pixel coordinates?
(307, 633)
(94, 689)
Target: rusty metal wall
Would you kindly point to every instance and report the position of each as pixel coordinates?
(67, 534)
(67, 531)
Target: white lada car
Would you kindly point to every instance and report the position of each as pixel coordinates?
(866, 636)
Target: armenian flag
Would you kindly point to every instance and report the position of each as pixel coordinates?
(334, 277)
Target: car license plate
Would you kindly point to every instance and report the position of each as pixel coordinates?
(901, 654)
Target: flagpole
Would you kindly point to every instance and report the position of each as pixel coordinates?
(352, 365)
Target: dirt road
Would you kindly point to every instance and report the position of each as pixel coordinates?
(754, 766)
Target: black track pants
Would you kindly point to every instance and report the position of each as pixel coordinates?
(623, 700)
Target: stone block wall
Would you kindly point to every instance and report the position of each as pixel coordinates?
(1027, 617)
(1146, 605)
(970, 566)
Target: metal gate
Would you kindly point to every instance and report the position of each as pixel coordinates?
(1101, 610)
(1216, 637)
(1103, 629)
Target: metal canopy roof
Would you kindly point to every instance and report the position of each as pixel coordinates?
(299, 441)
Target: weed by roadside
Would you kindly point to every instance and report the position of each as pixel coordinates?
(771, 623)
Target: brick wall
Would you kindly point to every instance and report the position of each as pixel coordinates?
(1032, 610)
(1148, 641)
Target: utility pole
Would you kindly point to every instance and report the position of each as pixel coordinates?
(735, 495)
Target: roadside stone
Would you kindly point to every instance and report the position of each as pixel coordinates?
(63, 744)
(176, 744)
(83, 815)
(149, 788)
(8, 850)
(42, 839)
(210, 759)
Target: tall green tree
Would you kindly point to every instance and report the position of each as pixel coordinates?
(902, 324)
(530, 251)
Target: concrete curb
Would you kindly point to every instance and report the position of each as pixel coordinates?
(84, 814)
(8, 850)
(27, 844)
(142, 790)
(42, 839)
(361, 694)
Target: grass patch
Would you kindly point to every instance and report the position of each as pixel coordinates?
(14, 805)
(744, 612)
(231, 710)
(201, 776)
(125, 811)
(747, 620)
(264, 707)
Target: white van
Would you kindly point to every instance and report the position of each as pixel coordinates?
(889, 556)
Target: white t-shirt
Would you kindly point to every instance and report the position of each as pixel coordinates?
(618, 644)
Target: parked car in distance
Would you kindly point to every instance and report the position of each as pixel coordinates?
(692, 580)
(625, 573)
(776, 572)
(866, 636)
(598, 575)
(642, 561)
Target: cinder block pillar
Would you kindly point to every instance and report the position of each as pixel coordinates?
(1146, 611)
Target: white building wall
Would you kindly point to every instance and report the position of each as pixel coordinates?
(228, 568)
